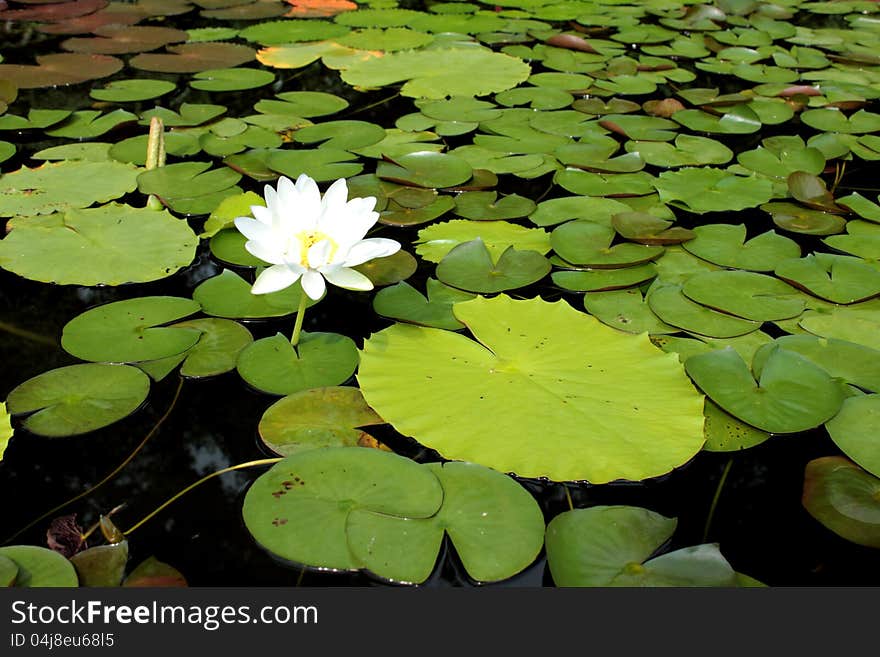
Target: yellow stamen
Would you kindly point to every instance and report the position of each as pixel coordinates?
(307, 239)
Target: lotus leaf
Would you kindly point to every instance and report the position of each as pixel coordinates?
(39, 567)
(77, 399)
(298, 509)
(319, 417)
(844, 498)
(274, 366)
(463, 381)
(54, 187)
(791, 395)
(613, 546)
(404, 303)
(424, 79)
(726, 245)
(130, 331)
(108, 245)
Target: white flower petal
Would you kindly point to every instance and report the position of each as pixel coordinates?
(306, 208)
(348, 279)
(273, 279)
(376, 247)
(253, 229)
(270, 195)
(261, 214)
(319, 254)
(267, 252)
(313, 284)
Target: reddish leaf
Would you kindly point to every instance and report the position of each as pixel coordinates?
(571, 42)
(194, 57)
(60, 69)
(152, 572)
(65, 536)
(318, 8)
(54, 12)
(122, 39)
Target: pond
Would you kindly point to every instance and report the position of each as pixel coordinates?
(608, 316)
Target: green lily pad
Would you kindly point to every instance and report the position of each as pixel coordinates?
(559, 210)
(485, 206)
(791, 395)
(424, 79)
(343, 135)
(469, 266)
(92, 151)
(7, 150)
(861, 206)
(854, 324)
(54, 187)
(804, 220)
(854, 363)
(725, 433)
(404, 303)
(89, 124)
(229, 295)
(839, 279)
(745, 294)
(396, 214)
(645, 228)
(811, 191)
(154, 573)
(536, 387)
(215, 353)
(272, 365)
(389, 269)
(227, 246)
(224, 215)
(589, 244)
(613, 546)
(102, 565)
(108, 245)
(495, 526)
(388, 40)
(426, 169)
(781, 158)
(688, 151)
(321, 164)
(834, 120)
(594, 280)
(190, 187)
(676, 265)
(605, 184)
(276, 33)
(77, 399)
(855, 431)
(6, 427)
(8, 572)
(726, 245)
(739, 120)
(298, 509)
(540, 98)
(434, 242)
(844, 498)
(36, 119)
(134, 149)
(40, 567)
(130, 331)
(309, 104)
(712, 190)
(670, 304)
(862, 240)
(625, 310)
(131, 91)
(231, 79)
(189, 115)
(320, 417)
(639, 127)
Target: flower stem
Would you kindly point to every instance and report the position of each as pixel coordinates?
(155, 155)
(300, 313)
(715, 499)
(178, 495)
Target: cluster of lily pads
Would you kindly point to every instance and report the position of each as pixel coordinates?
(714, 286)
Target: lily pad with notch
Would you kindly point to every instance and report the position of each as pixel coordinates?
(88, 124)
(836, 278)
(396, 214)
(648, 229)
(855, 431)
(589, 244)
(614, 546)
(404, 303)
(274, 366)
(559, 210)
(426, 169)
(486, 206)
(194, 57)
(801, 219)
(856, 323)
(190, 187)
(342, 135)
(791, 395)
(725, 433)
(469, 266)
(39, 567)
(626, 310)
(131, 330)
(321, 164)
(524, 363)
(862, 240)
(669, 303)
(726, 245)
(231, 79)
(132, 91)
(78, 399)
(597, 280)
(434, 242)
(687, 151)
(844, 498)
(704, 189)
(319, 417)
(745, 294)
(389, 270)
(228, 295)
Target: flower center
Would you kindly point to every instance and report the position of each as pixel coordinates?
(307, 239)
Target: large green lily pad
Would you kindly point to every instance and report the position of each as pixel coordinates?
(190, 187)
(299, 509)
(613, 546)
(844, 498)
(108, 245)
(40, 567)
(626, 310)
(57, 186)
(496, 528)
(130, 331)
(792, 394)
(669, 303)
(437, 240)
(856, 431)
(839, 279)
(272, 365)
(215, 353)
(705, 189)
(519, 403)
(318, 417)
(589, 244)
(469, 266)
(726, 245)
(745, 294)
(78, 398)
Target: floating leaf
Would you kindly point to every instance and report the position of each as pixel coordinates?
(190, 187)
(688, 151)
(844, 498)
(712, 190)
(434, 242)
(726, 245)
(404, 303)
(625, 310)
(124, 39)
(154, 573)
(54, 187)
(108, 245)
(589, 244)
(389, 269)
(645, 228)
(40, 567)
(463, 381)
(78, 399)
(274, 366)
(671, 305)
(839, 279)
(485, 206)
(215, 353)
(791, 395)
(862, 240)
(613, 546)
(745, 294)
(469, 266)
(804, 220)
(321, 164)
(275, 33)
(103, 565)
(319, 417)
(855, 324)
(60, 69)
(855, 429)
(343, 135)
(229, 295)
(194, 57)
(592, 280)
(724, 433)
(299, 508)
(6, 427)
(426, 169)
(231, 79)
(130, 91)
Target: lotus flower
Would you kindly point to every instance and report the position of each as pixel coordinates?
(304, 236)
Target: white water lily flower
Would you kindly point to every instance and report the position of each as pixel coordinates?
(304, 236)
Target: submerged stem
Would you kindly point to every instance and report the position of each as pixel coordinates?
(27, 335)
(721, 481)
(568, 497)
(300, 313)
(178, 495)
(112, 473)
